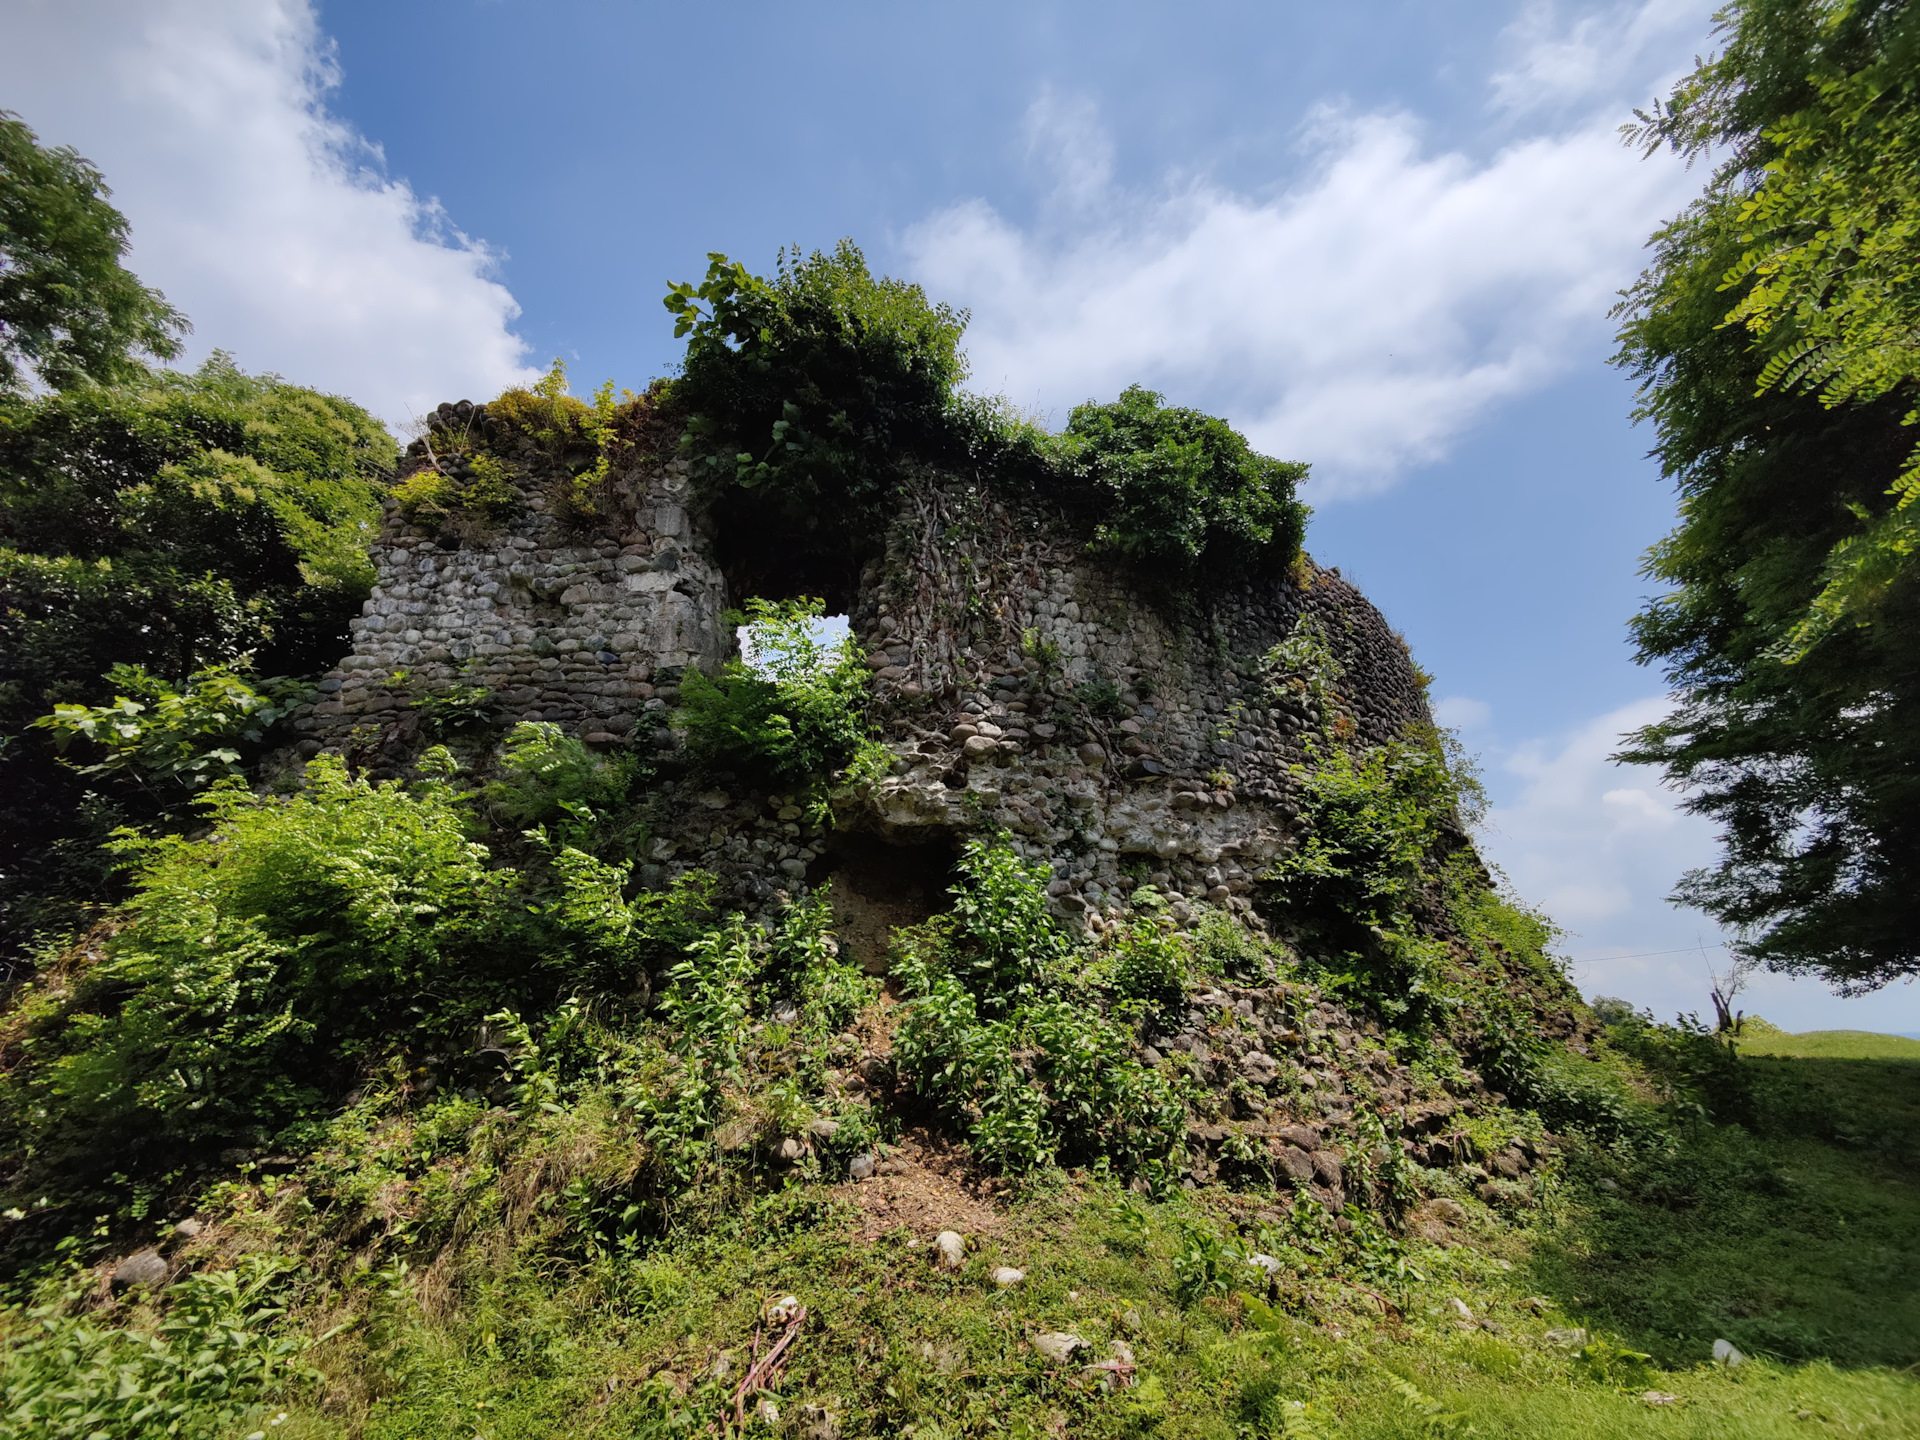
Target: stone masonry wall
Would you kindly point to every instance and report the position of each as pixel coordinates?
(589, 630)
(1118, 734)
(988, 628)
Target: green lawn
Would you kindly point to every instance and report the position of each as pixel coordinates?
(1763, 1039)
(1796, 1236)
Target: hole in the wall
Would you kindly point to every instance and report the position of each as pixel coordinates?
(879, 887)
(765, 549)
(829, 630)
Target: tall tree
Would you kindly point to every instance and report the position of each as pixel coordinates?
(1776, 337)
(181, 523)
(70, 312)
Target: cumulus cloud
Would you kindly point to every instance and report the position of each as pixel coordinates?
(1598, 846)
(266, 219)
(1362, 315)
(1460, 712)
(1559, 58)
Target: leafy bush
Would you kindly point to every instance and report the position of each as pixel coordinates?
(805, 966)
(792, 711)
(997, 1039)
(546, 774)
(1182, 488)
(256, 972)
(175, 525)
(1150, 963)
(216, 1355)
(172, 739)
(452, 709)
(806, 388)
(1379, 827)
(806, 392)
(1004, 943)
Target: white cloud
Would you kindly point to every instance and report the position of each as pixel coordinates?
(1599, 846)
(1071, 148)
(1560, 58)
(1361, 317)
(1458, 712)
(263, 217)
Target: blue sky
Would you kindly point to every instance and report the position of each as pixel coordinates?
(1381, 237)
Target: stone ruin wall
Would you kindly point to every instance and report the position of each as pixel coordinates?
(980, 624)
(962, 622)
(589, 631)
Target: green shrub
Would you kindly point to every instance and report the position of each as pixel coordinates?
(1181, 488)
(172, 740)
(808, 387)
(1004, 942)
(546, 774)
(258, 971)
(805, 966)
(217, 1354)
(994, 1035)
(809, 393)
(1150, 963)
(172, 526)
(792, 711)
(1358, 890)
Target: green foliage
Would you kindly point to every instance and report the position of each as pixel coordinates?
(998, 1038)
(179, 525)
(1817, 110)
(257, 970)
(1788, 628)
(1004, 944)
(1379, 828)
(1304, 665)
(547, 775)
(810, 394)
(70, 312)
(791, 711)
(808, 387)
(219, 1351)
(1205, 1265)
(1182, 488)
(805, 966)
(1150, 964)
(1696, 1068)
(1101, 698)
(172, 738)
(452, 709)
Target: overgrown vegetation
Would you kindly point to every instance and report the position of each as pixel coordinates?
(153, 538)
(474, 1302)
(791, 710)
(1773, 341)
(1028, 1062)
(1183, 488)
(477, 467)
(809, 391)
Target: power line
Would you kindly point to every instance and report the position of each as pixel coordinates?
(1649, 954)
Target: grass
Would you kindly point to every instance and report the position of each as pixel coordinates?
(1588, 1310)
(1760, 1038)
(1796, 1236)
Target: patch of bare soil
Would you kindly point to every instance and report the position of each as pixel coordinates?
(880, 888)
(926, 1184)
